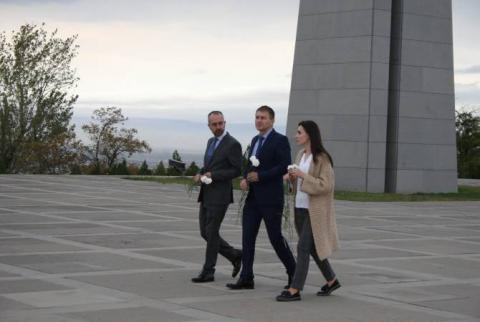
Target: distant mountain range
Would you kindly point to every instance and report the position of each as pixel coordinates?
(166, 135)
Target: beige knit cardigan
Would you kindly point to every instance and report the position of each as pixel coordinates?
(319, 184)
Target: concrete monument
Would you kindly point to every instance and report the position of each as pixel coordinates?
(377, 76)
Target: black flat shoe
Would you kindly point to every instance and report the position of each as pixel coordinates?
(286, 296)
(327, 290)
(203, 278)
(241, 285)
(237, 264)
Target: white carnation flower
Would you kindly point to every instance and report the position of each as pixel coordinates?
(254, 161)
(206, 180)
(293, 167)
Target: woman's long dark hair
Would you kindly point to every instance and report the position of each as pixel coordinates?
(316, 144)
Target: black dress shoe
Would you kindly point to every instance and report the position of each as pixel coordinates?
(290, 278)
(237, 264)
(286, 296)
(203, 278)
(241, 285)
(327, 290)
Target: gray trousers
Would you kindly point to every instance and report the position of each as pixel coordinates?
(210, 221)
(305, 248)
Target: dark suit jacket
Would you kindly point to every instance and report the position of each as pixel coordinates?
(274, 157)
(224, 165)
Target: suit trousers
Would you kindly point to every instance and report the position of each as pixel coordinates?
(305, 248)
(210, 221)
(272, 216)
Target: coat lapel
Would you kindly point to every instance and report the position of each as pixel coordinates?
(311, 168)
(266, 143)
(205, 157)
(219, 147)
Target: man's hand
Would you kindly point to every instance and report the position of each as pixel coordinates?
(244, 185)
(252, 176)
(196, 178)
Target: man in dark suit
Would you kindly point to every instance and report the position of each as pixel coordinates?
(222, 163)
(264, 183)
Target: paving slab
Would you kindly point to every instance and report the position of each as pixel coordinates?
(28, 285)
(12, 245)
(79, 262)
(71, 228)
(107, 215)
(47, 299)
(430, 230)
(144, 314)
(440, 267)
(434, 246)
(106, 249)
(132, 240)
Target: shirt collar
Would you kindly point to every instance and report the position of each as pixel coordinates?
(265, 136)
(219, 138)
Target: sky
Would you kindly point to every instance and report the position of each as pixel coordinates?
(166, 58)
(179, 59)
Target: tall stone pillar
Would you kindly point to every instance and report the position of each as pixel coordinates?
(377, 76)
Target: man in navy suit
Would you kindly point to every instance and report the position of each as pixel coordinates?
(264, 183)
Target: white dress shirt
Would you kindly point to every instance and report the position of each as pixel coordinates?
(302, 199)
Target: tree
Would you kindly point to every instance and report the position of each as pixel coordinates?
(104, 119)
(468, 144)
(108, 141)
(160, 170)
(132, 169)
(123, 141)
(120, 168)
(75, 169)
(144, 170)
(59, 155)
(36, 79)
(192, 169)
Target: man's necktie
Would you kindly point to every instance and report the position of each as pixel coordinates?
(259, 146)
(211, 149)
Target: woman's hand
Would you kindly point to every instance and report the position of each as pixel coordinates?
(295, 173)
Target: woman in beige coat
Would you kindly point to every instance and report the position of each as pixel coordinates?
(313, 182)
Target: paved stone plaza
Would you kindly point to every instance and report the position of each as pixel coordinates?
(104, 249)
